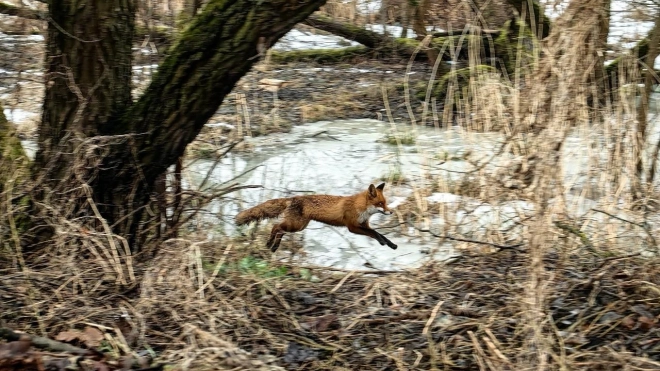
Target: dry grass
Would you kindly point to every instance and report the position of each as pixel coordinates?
(209, 306)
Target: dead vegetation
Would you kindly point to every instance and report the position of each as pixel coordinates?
(211, 306)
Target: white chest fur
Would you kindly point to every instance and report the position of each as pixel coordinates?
(365, 215)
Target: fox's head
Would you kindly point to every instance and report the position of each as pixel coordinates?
(376, 200)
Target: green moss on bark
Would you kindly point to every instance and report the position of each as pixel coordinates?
(321, 56)
(515, 47)
(535, 19)
(14, 172)
(12, 155)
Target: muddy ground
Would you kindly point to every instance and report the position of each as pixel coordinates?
(303, 92)
(315, 92)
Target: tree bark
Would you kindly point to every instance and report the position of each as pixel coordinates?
(370, 39)
(88, 72)
(419, 18)
(88, 87)
(419, 26)
(602, 88)
(643, 111)
(534, 16)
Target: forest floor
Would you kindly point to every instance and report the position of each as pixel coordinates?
(232, 307)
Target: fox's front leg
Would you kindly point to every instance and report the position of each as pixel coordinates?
(389, 243)
(366, 231)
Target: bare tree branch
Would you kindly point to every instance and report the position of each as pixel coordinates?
(43, 343)
(498, 246)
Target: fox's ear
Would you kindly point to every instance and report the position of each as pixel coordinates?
(372, 190)
(381, 186)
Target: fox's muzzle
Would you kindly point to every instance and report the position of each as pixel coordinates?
(385, 212)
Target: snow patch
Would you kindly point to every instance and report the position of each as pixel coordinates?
(19, 115)
(298, 40)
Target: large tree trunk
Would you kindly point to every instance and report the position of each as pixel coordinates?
(88, 80)
(127, 146)
(640, 184)
(88, 88)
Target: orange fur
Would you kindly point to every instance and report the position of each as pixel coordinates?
(352, 212)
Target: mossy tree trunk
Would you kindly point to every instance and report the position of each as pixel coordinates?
(389, 45)
(643, 111)
(12, 155)
(534, 16)
(88, 67)
(88, 89)
(370, 39)
(88, 100)
(13, 175)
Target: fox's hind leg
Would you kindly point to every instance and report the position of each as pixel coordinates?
(278, 231)
(275, 237)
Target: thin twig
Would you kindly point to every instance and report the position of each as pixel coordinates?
(501, 247)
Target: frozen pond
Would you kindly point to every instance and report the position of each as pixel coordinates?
(340, 158)
(343, 158)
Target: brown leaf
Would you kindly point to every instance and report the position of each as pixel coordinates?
(92, 337)
(628, 323)
(645, 323)
(16, 348)
(68, 336)
(100, 366)
(324, 322)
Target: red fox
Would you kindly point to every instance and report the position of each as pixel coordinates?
(352, 212)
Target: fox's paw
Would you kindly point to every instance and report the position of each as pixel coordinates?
(392, 246)
(272, 246)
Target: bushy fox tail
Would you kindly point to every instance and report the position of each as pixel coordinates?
(267, 210)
